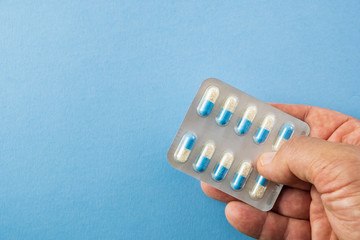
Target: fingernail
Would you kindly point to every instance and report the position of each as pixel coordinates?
(266, 158)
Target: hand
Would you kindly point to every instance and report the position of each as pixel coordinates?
(321, 199)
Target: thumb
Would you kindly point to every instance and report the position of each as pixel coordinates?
(302, 161)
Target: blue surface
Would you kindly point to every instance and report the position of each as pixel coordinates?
(93, 92)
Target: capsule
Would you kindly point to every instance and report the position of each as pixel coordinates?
(259, 188)
(284, 135)
(227, 110)
(203, 160)
(223, 166)
(184, 149)
(264, 129)
(241, 176)
(208, 101)
(246, 120)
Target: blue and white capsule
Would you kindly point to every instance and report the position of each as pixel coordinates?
(264, 129)
(223, 166)
(285, 134)
(185, 147)
(259, 188)
(241, 176)
(227, 110)
(203, 160)
(208, 101)
(246, 120)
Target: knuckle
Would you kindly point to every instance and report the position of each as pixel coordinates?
(328, 169)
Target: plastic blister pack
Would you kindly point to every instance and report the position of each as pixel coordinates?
(224, 132)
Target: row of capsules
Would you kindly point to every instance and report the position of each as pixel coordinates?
(221, 169)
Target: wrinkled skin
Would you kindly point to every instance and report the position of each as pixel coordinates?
(321, 199)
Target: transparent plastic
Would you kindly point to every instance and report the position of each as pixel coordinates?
(212, 144)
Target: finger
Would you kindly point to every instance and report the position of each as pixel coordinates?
(216, 193)
(293, 203)
(278, 171)
(298, 111)
(348, 132)
(265, 225)
(311, 160)
(324, 123)
(319, 220)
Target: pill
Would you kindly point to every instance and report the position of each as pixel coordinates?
(184, 149)
(259, 188)
(241, 176)
(264, 129)
(204, 158)
(223, 166)
(285, 134)
(246, 120)
(208, 101)
(227, 110)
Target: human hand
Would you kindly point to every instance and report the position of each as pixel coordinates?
(321, 199)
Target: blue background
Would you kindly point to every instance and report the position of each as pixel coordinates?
(93, 92)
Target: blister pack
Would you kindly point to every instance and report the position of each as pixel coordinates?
(224, 132)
